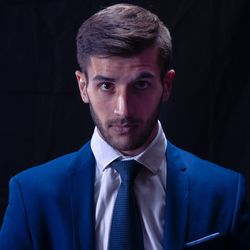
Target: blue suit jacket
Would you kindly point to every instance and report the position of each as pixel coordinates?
(52, 206)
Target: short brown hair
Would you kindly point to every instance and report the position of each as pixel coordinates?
(123, 30)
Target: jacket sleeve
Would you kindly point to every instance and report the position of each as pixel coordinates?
(241, 219)
(15, 233)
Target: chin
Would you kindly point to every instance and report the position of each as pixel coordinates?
(125, 145)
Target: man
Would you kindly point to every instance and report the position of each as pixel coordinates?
(83, 201)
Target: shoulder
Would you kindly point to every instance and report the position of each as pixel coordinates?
(207, 181)
(55, 170)
(51, 182)
(56, 166)
(203, 171)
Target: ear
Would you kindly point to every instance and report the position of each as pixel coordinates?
(167, 84)
(82, 84)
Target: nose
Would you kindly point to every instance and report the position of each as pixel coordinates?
(122, 105)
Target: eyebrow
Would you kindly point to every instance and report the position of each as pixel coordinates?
(141, 75)
(103, 78)
(144, 74)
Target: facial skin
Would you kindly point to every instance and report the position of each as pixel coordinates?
(125, 95)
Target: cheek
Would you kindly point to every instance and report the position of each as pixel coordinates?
(148, 104)
(101, 108)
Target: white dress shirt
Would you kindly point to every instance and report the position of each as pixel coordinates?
(150, 189)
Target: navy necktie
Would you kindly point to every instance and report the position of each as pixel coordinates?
(126, 232)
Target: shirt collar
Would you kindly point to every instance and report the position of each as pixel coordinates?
(151, 157)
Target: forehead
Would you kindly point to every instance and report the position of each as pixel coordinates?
(118, 66)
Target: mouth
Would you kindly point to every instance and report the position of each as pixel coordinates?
(123, 128)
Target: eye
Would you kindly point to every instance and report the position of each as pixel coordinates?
(140, 85)
(106, 86)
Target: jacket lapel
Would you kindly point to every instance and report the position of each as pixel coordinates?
(83, 214)
(82, 198)
(176, 201)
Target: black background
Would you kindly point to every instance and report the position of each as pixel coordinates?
(42, 115)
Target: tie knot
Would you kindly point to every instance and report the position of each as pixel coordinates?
(128, 170)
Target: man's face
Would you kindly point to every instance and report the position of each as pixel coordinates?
(125, 95)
